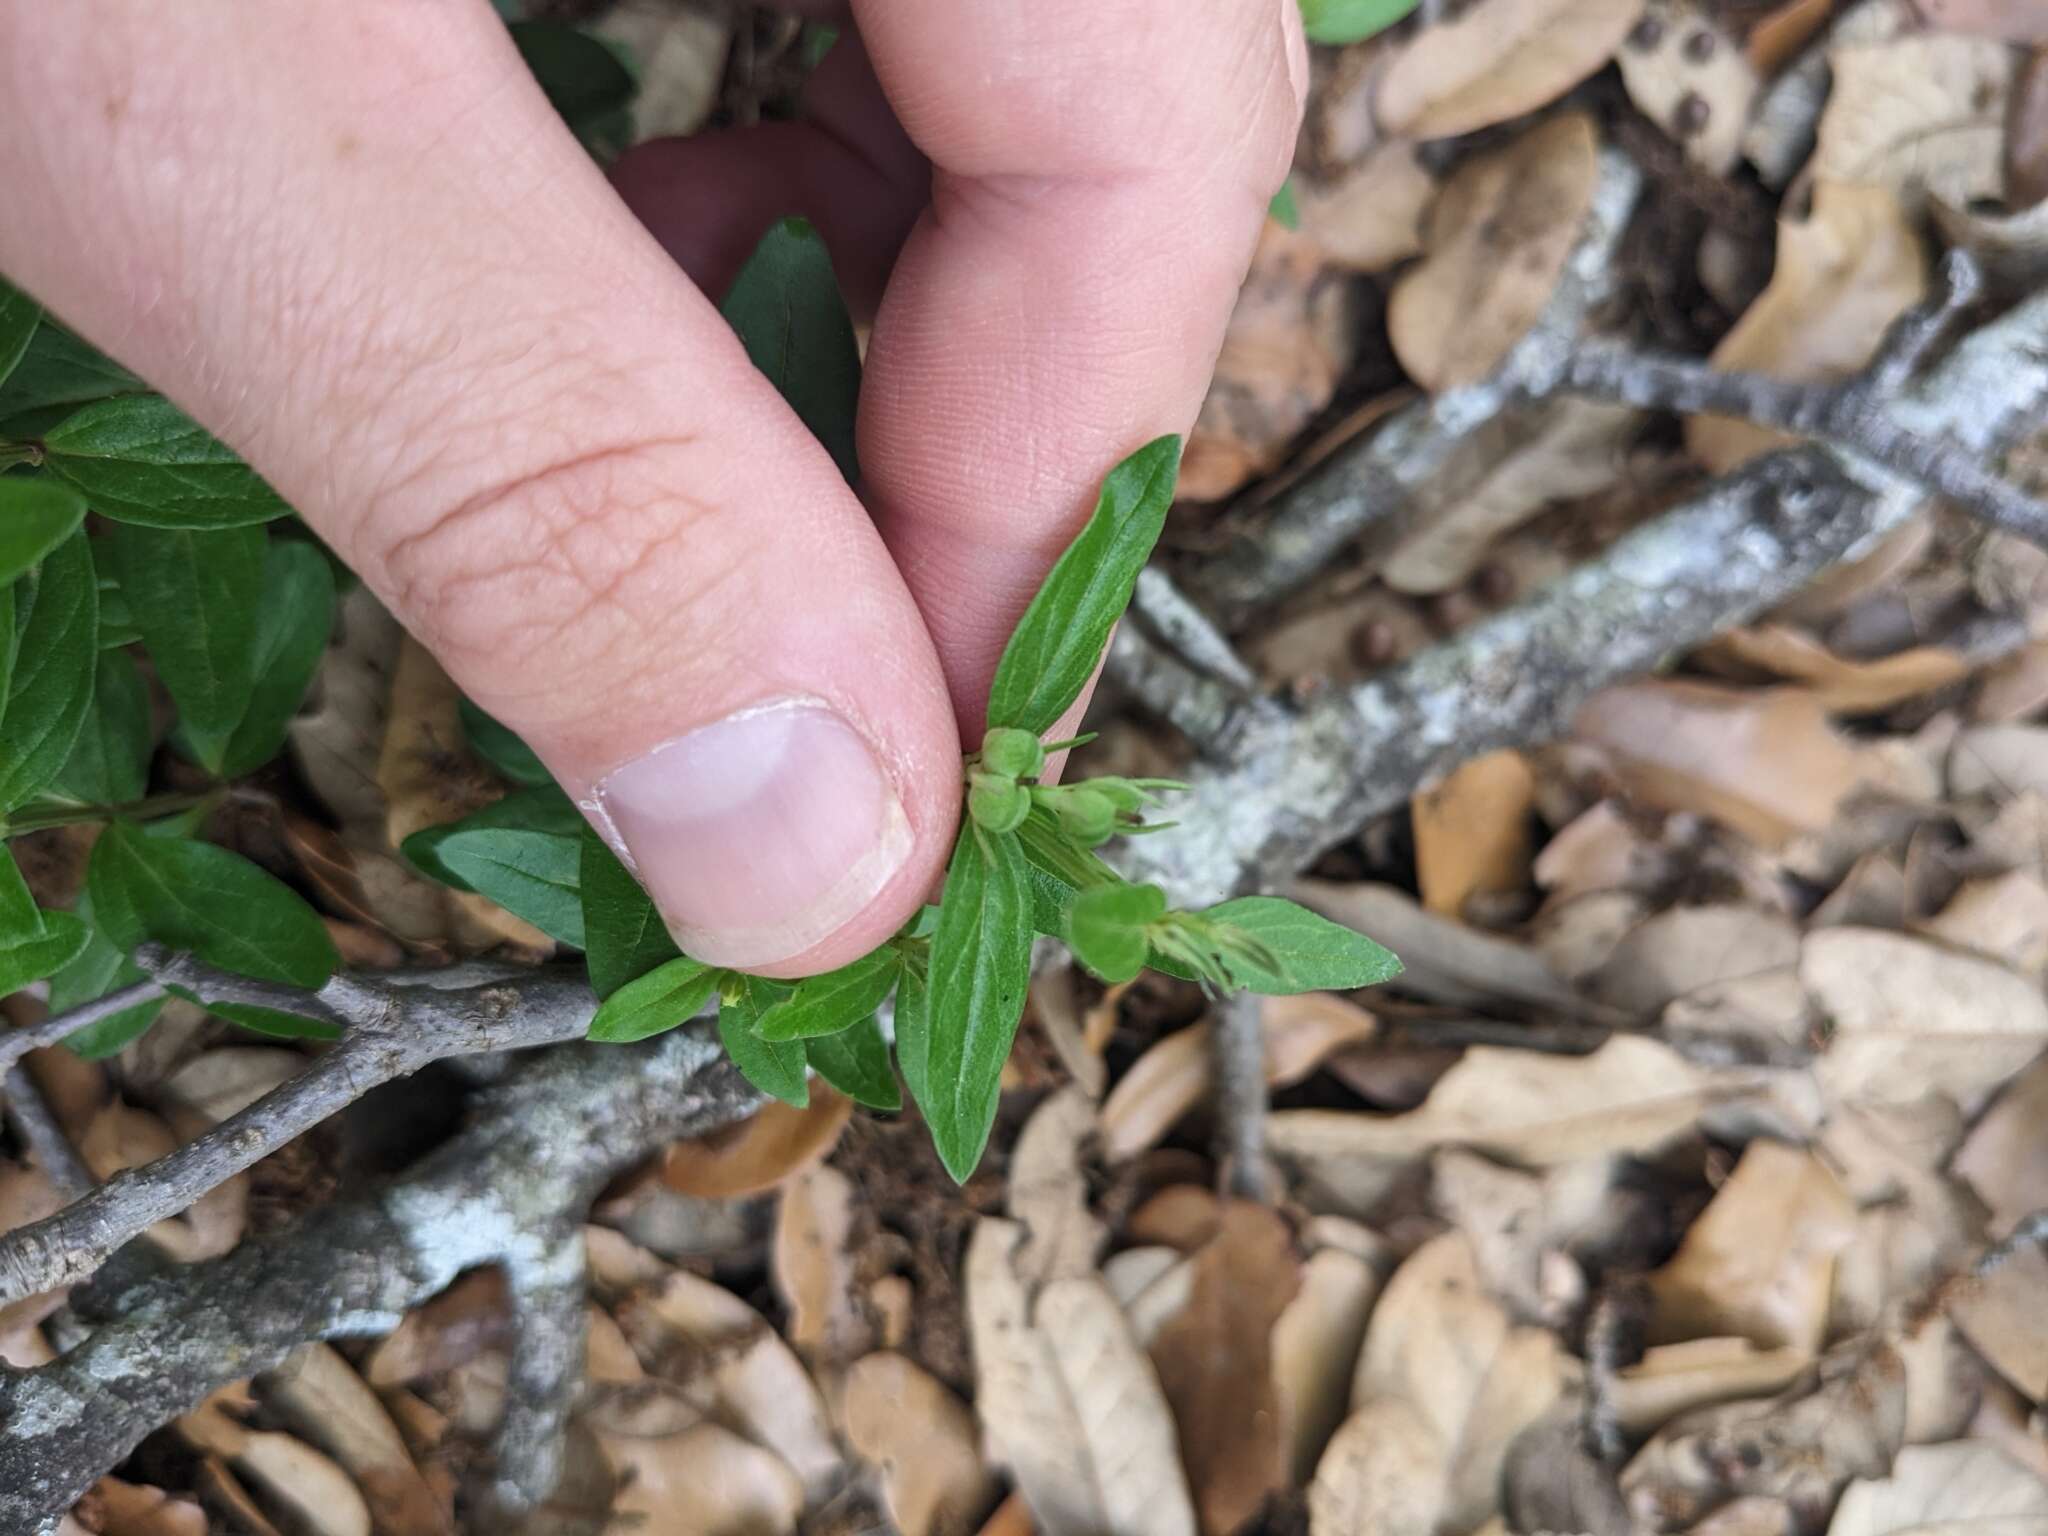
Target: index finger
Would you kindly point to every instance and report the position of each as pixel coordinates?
(1100, 172)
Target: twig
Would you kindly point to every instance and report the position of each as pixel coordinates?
(58, 1027)
(1175, 618)
(391, 1031)
(44, 1137)
(1238, 1039)
(544, 1144)
(1203, 710)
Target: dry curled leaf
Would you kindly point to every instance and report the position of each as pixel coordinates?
(705, 1481)
(1214, 1358)
(2005, 1157)
(1369, 215)
(775, 1142)
(1850, 686)
(1685, 73)
(308, 1489)
(1683, 950)
(1049, 1191)
(921, 1439)
(1376, 1477)
(1759, 1262)
(1497, 60)
(2001, 1315)
(813, 1268)
(319, 1395)
(1498, 239)
(1964, 1486)
(1315, 1345)
(1919, 113)
(1472, 831)
(1671, 1379)
(130, 1509)
(2001, 917)
(1069, 1402)
(1843, 275)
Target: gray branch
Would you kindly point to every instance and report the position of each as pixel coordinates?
(390, 1031)
(544, 1143)
(1237, 1039)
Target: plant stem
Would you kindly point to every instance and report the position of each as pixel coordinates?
(135, 810)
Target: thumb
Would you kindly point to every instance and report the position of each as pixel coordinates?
(355, 242)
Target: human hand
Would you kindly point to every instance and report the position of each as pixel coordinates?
(354, 241)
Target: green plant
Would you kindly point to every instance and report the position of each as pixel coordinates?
(1351, 21)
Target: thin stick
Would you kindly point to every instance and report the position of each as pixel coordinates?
(1238, 1039)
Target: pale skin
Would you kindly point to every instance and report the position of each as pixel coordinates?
(354, 241)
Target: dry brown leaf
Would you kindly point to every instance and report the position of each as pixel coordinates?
(1315, 1346)
(1671, 1379)
(1214, 1359)
(813, 1268)
(921, 1439)
(2005, 1158)
(462, 1322)
(1631, 1095)
(307, 1488)
(130, 1509)
(608, 1357)
(1999, 761)
(2003, 918)
(706, 1481)
(1759, 1262)
(320, 1396)
(1852, 687)
(2026, 148)
(1518, 1224)
(2015, 21)
(1380, 1475)
(1012, 1517)
(1049, 1192)
(1472, 831)
(1181, 1217)
(1076, 1029)
(1369, 215)
(728, 1361)
(1776, 39)
(1499, 236)
(679, 57)
(1576, 936)
(2002, 1317)
(1443, 961)
(1440, 1344)
(1685, 73)
(1843, 275)
(1290, 339)
(1964, 1486)
(1764, 761)
(1908, 1018)
(1497, 60)
(1599, 850)
(1174, 1074)
(1917, 114)
(1560, 449)
(1069, 1402)
(2012, 687)
(760, 1152)
(1685, 949)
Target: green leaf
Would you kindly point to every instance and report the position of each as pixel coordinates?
(198, 897)
(117, 624)
(1106, 928)
(509, 757)
(36, 515)
(785, 304)
(531, 874)
(19, 317)
(293, 622)
(623, 936)
(33, 943)
(1283, 210)
(101, 967)
(856, 1062)
(56, 631)
(194, 594)
(585, 81)
(526, 810)
(140, 459)
(980, 967)
(776, 1067)
(1054, 649)
(913, 1033)
(56, 370)
(1313, 953)
(652, 1004)
(1337, 22)
(109, 762)
(824, 1005)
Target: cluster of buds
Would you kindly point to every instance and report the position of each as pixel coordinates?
(1002, 787)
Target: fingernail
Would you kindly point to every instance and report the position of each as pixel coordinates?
(761, 834)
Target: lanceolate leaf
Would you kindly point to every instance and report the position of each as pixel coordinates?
(56, 631)
(109, 762)
(656, 1002)
(623, 936)
(292, 625)
(58, 371)
(19, 317)
(36, 515)
(33, 943)
(913, 1032)
(528, 810)
(1313, 953)
(785, 304)
(980, 967)
(776, 1067)
(531, 874)
(824, 1005)
(217, 904)
(512, 758)
(856, 1062)
(1054, 649)
(140, 459)
(194, 595)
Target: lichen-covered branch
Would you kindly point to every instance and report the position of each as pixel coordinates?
(504, 1191)
(389, 1031)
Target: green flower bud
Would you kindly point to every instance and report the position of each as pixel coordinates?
(1013, 753)
(998, 803)
(1087, 815)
